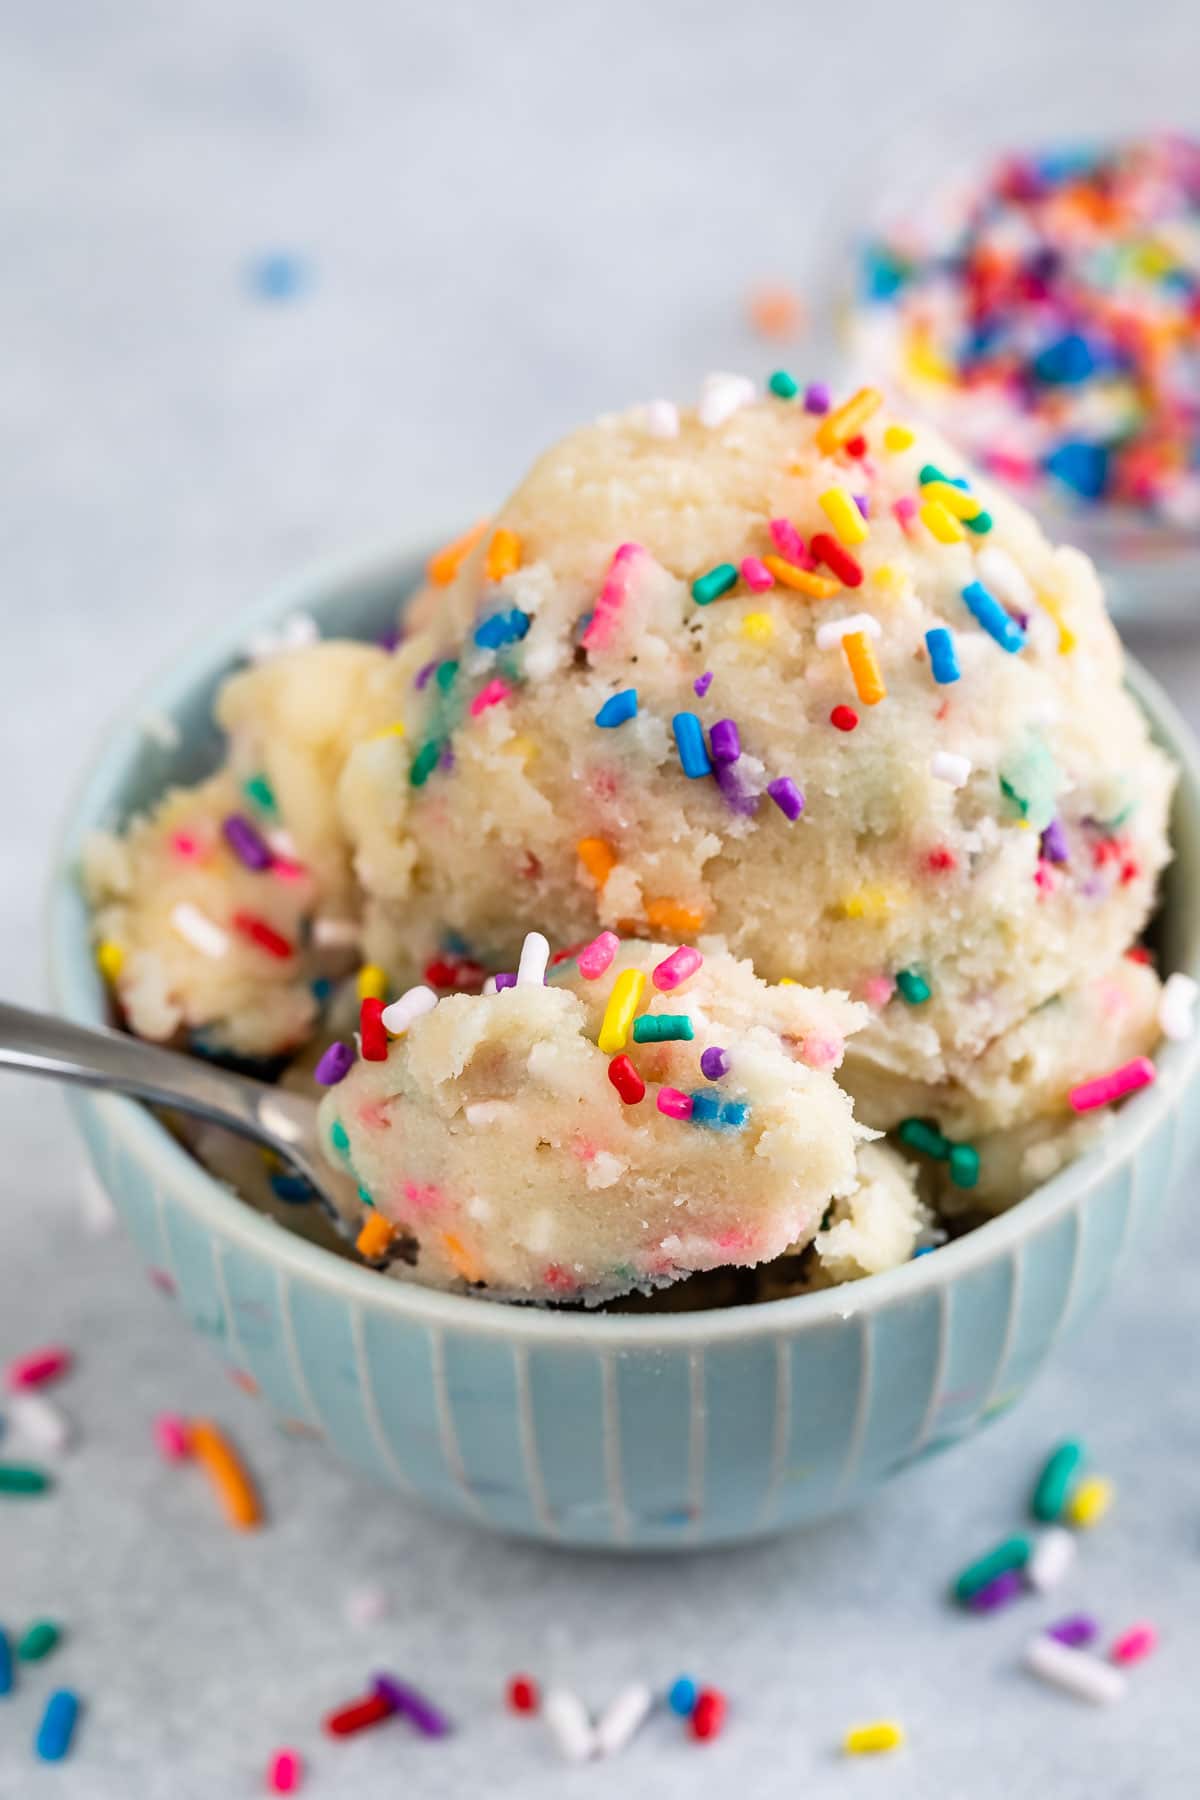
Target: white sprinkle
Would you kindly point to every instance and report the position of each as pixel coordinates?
(570, 1727)
(661, 419)
(1005, 578)
(293, 633)
(161, 730)
(535, 954)
(39, 1422)
(198, 930)
(407, 1009)
(489, 987)
(282, 843)
(1080, 1674)
(946, 766)
(482, 1113)
(366, 1606)
(1053, 1554)
(722, 395)
(335, 934)
(622, 1718)
(539, 1233)
(833, 631)
(1175, 1007)
(479, 1209)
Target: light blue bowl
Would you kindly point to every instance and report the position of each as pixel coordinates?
(642, 1432)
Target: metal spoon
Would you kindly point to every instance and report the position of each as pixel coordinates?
(42, 1044)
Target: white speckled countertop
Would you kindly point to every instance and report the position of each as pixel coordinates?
(515, 217)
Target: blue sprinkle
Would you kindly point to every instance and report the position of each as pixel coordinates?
(942, 659)
(618, 708)
(1066, 362)
(681, 1697)
(734, 1114)
(501, 628)
(689, 736)
(293, 1189)
(706, 1108)
(6, 1668)
(58, 1724)
(1080, 466)
(321, 989)
(989, 613)
(923, 1250)
(279, 275)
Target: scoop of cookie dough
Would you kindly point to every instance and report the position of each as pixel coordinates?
(545, 1144)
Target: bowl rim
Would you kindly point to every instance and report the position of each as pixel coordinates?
(174, 1169)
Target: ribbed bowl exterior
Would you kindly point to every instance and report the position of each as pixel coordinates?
(644, 1433)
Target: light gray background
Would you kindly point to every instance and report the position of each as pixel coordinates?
(516, 216)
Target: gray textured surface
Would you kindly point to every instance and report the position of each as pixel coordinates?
(516, 216)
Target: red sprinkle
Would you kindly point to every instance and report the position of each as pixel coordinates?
(941, 858)
(626, 1080)
(708, 1714)
(844, 717)
(522, 1694)
(359, 1715)
(371, 1030)
(855, 446)
(826, 548)
(262, 934)
(462, 976)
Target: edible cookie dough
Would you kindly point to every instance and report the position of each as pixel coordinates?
(642, 1115)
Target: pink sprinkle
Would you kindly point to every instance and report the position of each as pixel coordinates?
(423, 1198)
(906, 509)
(1114, 1086)
(756, 575)
(284, 869)
(612, 598)
(821, 1052)
(1011, 468)
(171, 1437)
(491, 695)
(596, 957)
(877, 990)
(38, 1367)
(676, 968)
(286, 1772)
(674, 1104)
(789, 543)
(185, 846)
(1134, 1644)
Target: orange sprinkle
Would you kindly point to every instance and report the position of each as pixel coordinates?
(461, 1257)
(775, 311)
(227, 1472)
(864, 666)
(503, 555)
(598, 858)
(803, 581)
(673, 915)
(848, 420)
(444, 566)
(375, 1237)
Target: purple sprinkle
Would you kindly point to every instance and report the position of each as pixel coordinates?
(505, 981)
(863, 504)
(245, 842)
(997, 1593)
(446, 759)
(725, 743)
(335, 1065)
(702, 684)
(816, 397)
(737, 798)
(1054, 843)
(714, 1062)
(414, 1706)
(787, 796)
(424, 672)
(390, 639)
(1076, 1631)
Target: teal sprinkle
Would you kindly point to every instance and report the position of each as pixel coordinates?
(929, 472)
(259, 792)
(1029, 778)
(783, 385)
(339, 1137)
(981, 523)
(662, 1028)
(424, 763)
(964, 1165)
(919, 1134)
(913, 987)
(716, 582)
(365, 1197)
(444, 676)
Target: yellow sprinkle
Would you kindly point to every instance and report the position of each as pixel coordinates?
(521, 746)
(843, 515)
(923, 360)
(963, 506)
(1066, 637)
(674, 916)
(375, 1237)
(944, 526)
(503, 555)
(388, 731)
(817, 587)
(848, 420)
(786, 981)
(110, 959)
(372, 982)
(461, 1257)
(864, 666)
(442, 568)
(623, 1003)
(885, 576)
(1090, 1501)
(760, 626)
(870, 902)
(865, 1740)
(597, 857)
(898, 437)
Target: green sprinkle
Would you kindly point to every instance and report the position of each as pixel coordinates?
(339, 1137)
(1013, 1553)
(964, 1165)
(783, 385)
(1053, 1485)
(1029, 777)
(981, 523)
(260, 793)
(38, 1641)
(913, 987)
(444, 675)
(18, 1478)
(661, 1028)
(424, 763)
(718, 581)
(920, 1135)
